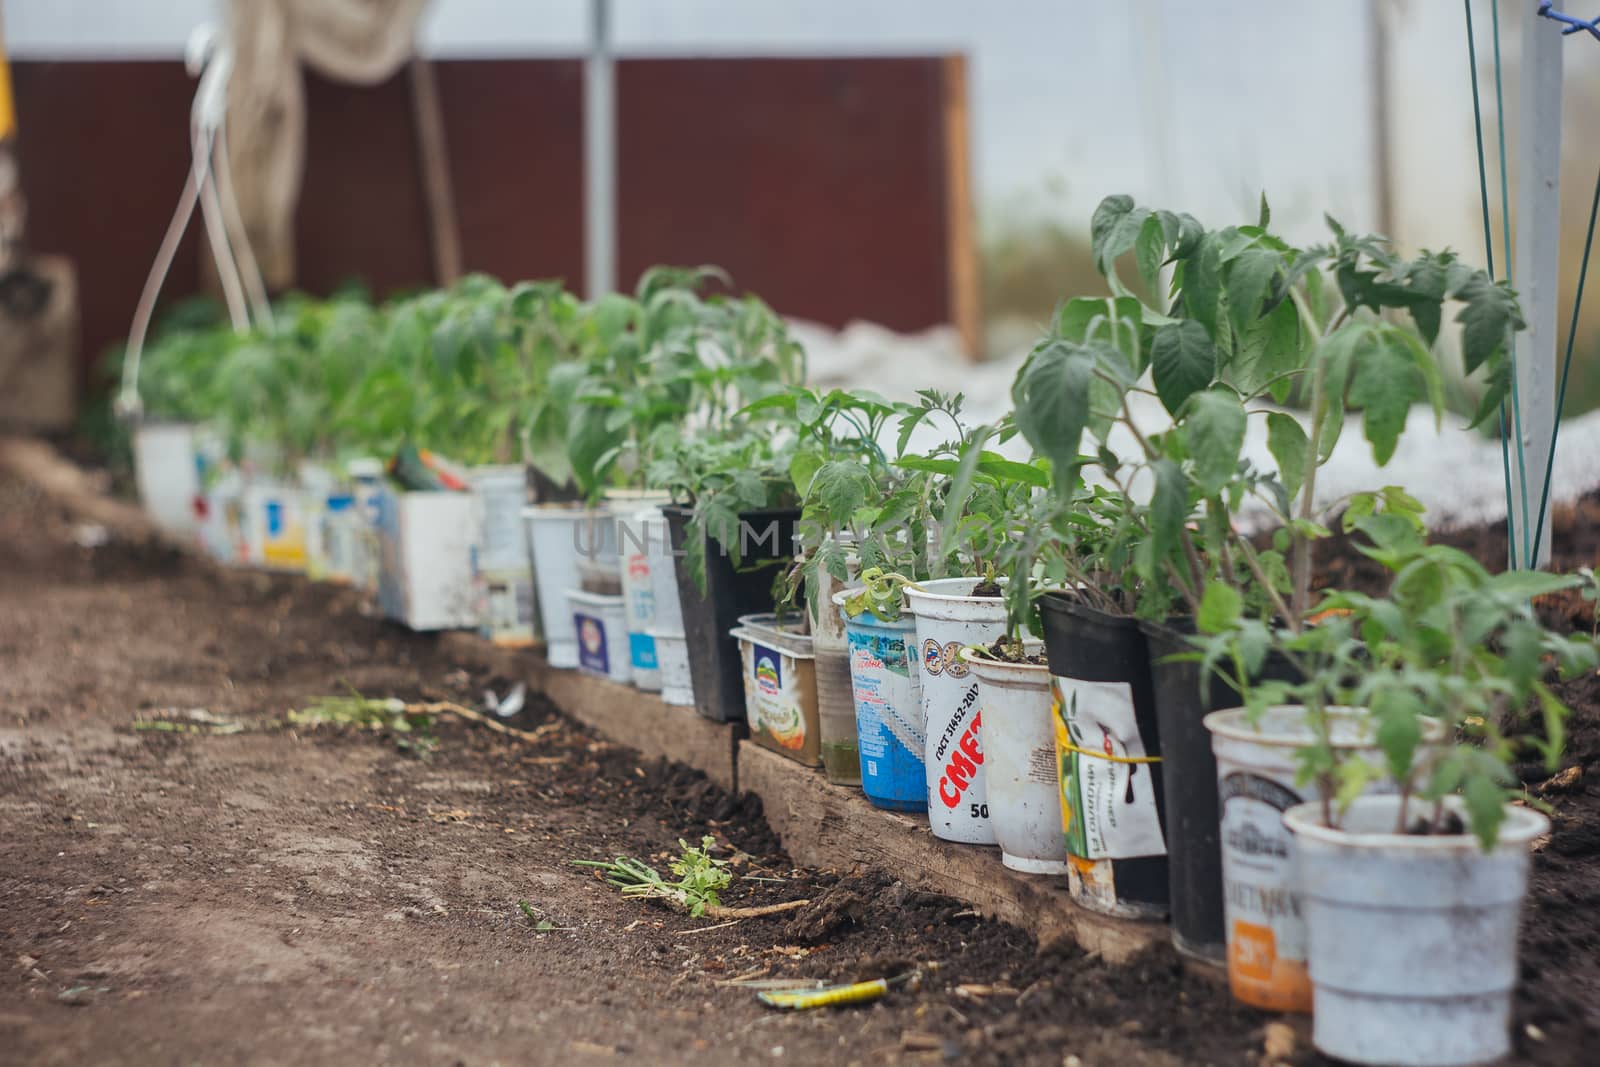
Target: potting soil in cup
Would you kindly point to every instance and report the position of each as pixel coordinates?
(1256, 772)
(948, 620)
(780, 688)
(887, 688)
(599, 621)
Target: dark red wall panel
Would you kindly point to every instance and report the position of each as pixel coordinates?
(817, 183)
(515, 129)
(105, 150)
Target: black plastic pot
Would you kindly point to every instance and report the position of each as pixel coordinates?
(714, 663)
(1089, 645)
(1189, 777)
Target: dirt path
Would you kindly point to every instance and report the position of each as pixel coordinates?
(285, 896)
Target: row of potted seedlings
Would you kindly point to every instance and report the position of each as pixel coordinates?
(1109, 657)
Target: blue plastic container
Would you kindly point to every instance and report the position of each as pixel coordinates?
(887, 685)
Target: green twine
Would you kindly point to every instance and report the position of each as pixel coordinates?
(1488, 250)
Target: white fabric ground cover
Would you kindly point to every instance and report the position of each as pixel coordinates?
(1455, 472)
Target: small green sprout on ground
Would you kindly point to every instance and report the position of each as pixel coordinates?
(540, 926)
(701, 880)
(700, 877)
(411, 725)
(191, 721)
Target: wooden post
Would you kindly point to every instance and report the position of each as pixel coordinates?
(434, 159)
(1536, 274)
(966, 306)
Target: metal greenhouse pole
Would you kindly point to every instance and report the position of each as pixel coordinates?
(599, 156)
(1536, 269)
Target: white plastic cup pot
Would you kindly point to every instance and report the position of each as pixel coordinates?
(366, 485)
(502, 492)
(948, 620)
(275, 526)
(672, 657)
(223, 530)
(836, 706)
(1256, 772)
(600, 623)
(636, 532)
(167, 472)
(426, 544)
(1413, 939)
(664, 585)
(1020, 762)
(554, 532)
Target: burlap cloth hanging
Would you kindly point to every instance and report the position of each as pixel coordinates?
(361, 41)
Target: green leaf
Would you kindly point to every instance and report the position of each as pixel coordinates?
(1525, 585)
(1202, 283)
(1150, 251)
(842, 486)
(1486, 805)
(1264, 215)
(1169, 509)
(802, 469)
(1399, 716)
(1487, 321)
(1113, 229)
(1385, 384)
(1249, 277)
(1220, 608)
(1352, 776)
(1051, 397)
(1426, 279)
(1555, 727)
(1267, 351)
(1287, 442)
(1214, 429)
(1183, 361)
(1009, 470)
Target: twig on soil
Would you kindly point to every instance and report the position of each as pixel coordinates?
(446, 707)
(714, 911)
(719, 926)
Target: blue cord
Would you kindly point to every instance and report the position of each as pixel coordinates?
(1572, 22)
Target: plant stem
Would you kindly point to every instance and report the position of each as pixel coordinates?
(1308, 489)
(1197, 569)
(1252, 561)
(1190, 595)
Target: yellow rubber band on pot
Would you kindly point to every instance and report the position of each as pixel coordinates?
(1070, 747)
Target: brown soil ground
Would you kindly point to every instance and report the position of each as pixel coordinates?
(285, 895)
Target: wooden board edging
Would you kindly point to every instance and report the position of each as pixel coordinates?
(625, 715)
(823, 825)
